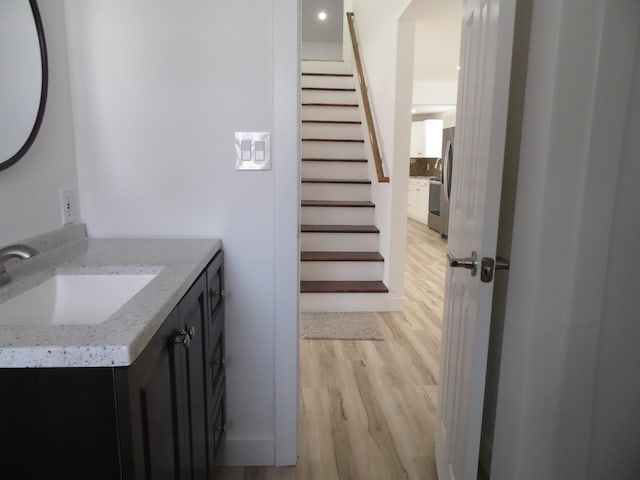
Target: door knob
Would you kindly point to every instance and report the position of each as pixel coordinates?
(470, 263)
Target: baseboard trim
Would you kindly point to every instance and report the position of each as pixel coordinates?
(249, 452)
(350, 302)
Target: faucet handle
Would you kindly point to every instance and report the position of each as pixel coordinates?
(13, 251)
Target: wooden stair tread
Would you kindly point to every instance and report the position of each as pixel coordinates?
(335, 122)
(329, 89)
(337, 203)
(354, 181)
(344, 140)
(307, 228)
(349, 286)
(310, 74)
(322, 104)
(354, 160)
(306, 256)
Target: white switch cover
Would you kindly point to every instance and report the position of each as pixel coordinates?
(253, 150)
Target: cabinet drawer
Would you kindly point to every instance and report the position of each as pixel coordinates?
(219, 426)
(217, 368)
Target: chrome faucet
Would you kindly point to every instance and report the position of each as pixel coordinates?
(438, 164)
(13, 251)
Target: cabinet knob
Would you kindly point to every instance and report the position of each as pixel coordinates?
(183, 338)
(192, 332)
(217, 294)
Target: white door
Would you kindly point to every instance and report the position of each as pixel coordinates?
(487, 41)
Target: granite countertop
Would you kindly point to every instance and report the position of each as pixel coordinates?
(120, 339)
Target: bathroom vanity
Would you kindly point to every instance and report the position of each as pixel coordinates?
(138, 395)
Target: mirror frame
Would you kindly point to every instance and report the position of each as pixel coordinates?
(4, 164)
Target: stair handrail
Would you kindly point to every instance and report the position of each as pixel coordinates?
(373, 138)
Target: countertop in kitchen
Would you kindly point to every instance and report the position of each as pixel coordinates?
(118, 340)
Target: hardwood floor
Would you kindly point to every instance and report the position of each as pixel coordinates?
(367, 408)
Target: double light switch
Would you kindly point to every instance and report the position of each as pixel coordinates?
(253, 150)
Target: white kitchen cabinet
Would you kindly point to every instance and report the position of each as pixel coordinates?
(418, 199)
(426, 138)
(418, 139)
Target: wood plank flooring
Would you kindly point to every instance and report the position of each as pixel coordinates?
(367, 409)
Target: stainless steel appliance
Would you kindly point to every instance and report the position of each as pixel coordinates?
(435, 220)
(448, 135)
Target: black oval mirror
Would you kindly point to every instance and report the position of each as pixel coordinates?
(24, 80)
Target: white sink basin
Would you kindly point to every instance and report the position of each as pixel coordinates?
(72, 300)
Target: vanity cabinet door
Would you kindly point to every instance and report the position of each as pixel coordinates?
(58, 423)
(194, 320)
(163, 392)
(151, 403)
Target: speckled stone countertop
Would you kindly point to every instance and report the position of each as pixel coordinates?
(118, 340)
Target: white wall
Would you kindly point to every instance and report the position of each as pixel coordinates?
(377, 29)
(321, 51)
(616, 418)
(29, 190)
(615, 425)
(386, 45)
(434, 92)
(567, 392)
(158, 91)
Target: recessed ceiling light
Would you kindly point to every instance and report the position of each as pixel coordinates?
(459, 67)
(413, 110)
(322, 15)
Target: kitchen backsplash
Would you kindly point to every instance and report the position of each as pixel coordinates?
(423, 167)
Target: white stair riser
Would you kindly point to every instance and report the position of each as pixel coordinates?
(337, 216)
(332, 150)
(335, 191)
(339, 242)
(335, 170)
(331, 130)
(330, 113)
(350, 302)
(328, 96)
(337, 271)
(311, 66)
(326, 82)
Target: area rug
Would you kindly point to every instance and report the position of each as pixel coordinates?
(340, 326)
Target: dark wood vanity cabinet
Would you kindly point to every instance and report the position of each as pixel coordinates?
(163, 417)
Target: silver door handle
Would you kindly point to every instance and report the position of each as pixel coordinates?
(470, 263)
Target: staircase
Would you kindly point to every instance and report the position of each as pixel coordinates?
(339, 239)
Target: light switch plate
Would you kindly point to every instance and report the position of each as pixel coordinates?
(253, 150)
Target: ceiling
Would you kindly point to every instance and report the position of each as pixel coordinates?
(315, 30)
